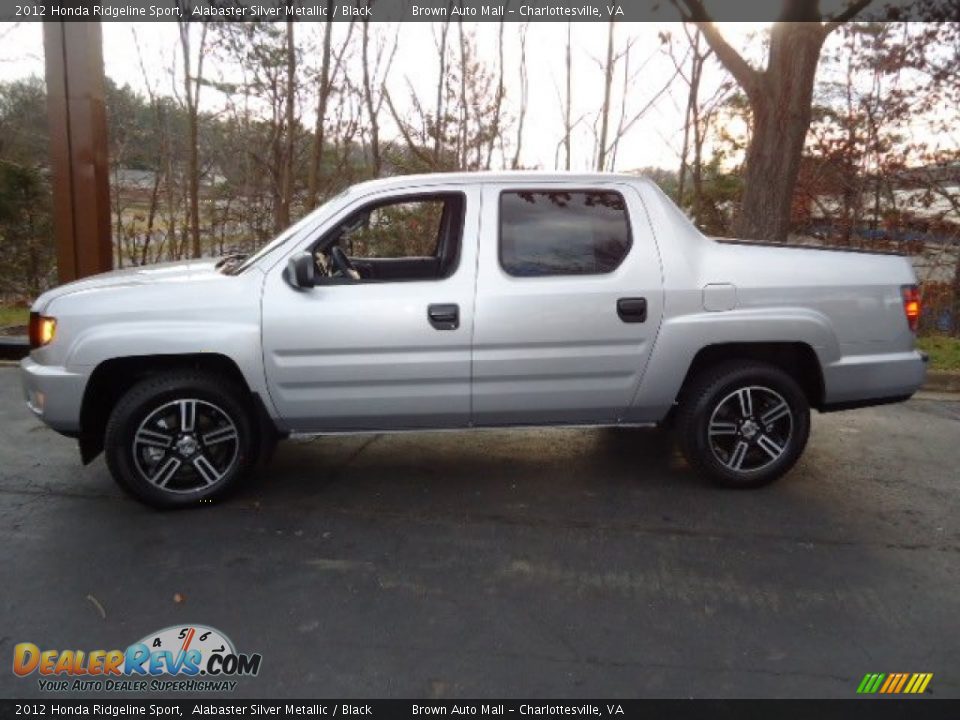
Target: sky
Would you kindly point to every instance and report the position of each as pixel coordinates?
(654, 140)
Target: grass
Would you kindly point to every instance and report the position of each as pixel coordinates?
(944, 351)
(13, 315)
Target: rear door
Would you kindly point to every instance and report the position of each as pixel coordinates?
(569, 300)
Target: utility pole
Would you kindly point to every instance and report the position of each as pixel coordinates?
(76, 108)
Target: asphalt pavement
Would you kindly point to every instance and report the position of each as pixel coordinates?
(540, 563)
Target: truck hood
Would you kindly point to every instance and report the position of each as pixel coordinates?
(167, 273)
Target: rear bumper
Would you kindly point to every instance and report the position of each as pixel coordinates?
(858, 380)
(53, 394)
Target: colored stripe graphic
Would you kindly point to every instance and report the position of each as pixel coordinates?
(913, 683)
(865, 683)
(894, 683)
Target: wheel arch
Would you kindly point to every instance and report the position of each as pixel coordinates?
(112, 378)
(797, 359)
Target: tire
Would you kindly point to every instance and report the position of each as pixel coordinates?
(743, 424)
(179, 439)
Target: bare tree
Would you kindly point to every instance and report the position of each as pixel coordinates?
(323, 97)
(290, 124)
(698, 115)
(524, 91)
(498, 101)
(568, 100)
(330, 66)
(374, 77)
(467, 122)
(464, 102)
(607, 140)
(780, 99)
(608, 70)
(191, 92)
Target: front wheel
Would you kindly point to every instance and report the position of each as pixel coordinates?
(179, 439)
(743, 424)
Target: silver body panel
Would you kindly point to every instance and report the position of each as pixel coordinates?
(364, 356)
(553, 349)
(528, 351)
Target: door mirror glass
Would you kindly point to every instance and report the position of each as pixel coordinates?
(302, 271)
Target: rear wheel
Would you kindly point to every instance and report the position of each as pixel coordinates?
(743, 424)
(179, 439)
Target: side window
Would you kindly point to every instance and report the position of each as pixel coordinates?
(402, 229)
(545, 232)
(412, 237)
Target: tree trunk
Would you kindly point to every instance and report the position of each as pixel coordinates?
(171, 210)
(780, 98)
(193, 171)
(693, 113)
(605, 110)
(498, 102)
(119, 213)
(319, 135)
(521, 118)
(151, 217)
(368, 100)
(781, 106)
(463, 133)
(289, 122)
(684, 150)
(191, 88)
(567, 129)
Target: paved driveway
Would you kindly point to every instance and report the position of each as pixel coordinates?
(516, 563)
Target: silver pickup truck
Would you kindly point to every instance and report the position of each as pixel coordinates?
(471, 301)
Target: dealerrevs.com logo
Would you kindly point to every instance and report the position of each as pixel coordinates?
(186, 658)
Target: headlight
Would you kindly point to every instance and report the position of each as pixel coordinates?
(42, 330)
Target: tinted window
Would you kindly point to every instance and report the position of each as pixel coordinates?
(562, 233)
(396, 230)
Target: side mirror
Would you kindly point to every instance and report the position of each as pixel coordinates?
(301, 271)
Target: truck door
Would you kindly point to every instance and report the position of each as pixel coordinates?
(391, 349)
(569, 301)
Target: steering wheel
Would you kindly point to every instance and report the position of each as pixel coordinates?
(343, 263)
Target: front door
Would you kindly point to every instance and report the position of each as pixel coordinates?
(569, 300)
(387, 344)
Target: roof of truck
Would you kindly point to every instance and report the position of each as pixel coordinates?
(499, 176)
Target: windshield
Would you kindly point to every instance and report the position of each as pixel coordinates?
(287, 234)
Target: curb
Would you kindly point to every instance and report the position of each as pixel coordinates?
(942, 381)
(14, 347)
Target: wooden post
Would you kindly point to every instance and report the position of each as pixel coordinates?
(78, 147)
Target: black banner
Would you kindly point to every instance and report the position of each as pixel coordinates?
(455, 10)
(874, 708)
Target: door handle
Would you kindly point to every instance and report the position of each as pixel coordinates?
(632, 310)
(444, 317)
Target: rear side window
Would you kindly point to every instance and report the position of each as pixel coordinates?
(580, 232)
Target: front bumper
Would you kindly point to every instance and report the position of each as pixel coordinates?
(54, 394)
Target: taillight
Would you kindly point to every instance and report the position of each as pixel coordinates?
(42, 330)
(911, 305)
